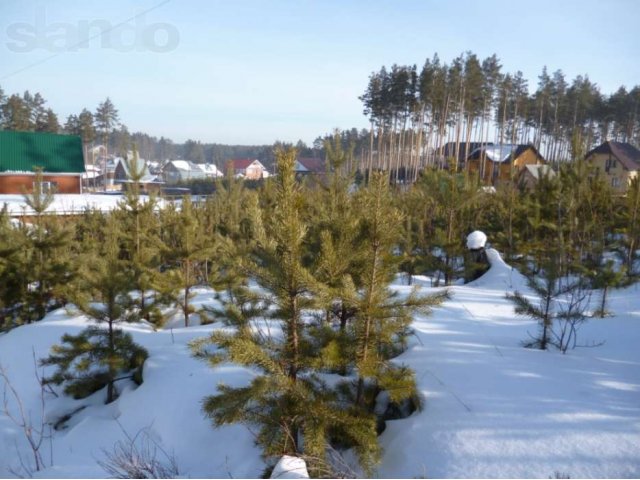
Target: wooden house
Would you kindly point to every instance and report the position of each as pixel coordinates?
(458, 152)
(619, 162)
(502, 162)
(59, 157)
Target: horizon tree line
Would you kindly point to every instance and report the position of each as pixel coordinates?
(414, 112)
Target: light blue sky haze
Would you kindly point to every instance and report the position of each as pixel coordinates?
(251, 72)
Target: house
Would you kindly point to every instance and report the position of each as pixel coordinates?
(91, 177)
(148, 181)
(247, 168)
(209, 170)
(58, 156)
(177, 171)
(530, 174)
(502, 162)
(310, 166)
(448, 151)
(618, 161)
(313, 170)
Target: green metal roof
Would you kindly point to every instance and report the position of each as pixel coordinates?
(24, 151)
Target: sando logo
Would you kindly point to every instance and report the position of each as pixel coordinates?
(134, 35)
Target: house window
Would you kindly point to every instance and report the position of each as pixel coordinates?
(47, 187)
(615, 182)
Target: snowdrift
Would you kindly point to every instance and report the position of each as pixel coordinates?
(491, 407)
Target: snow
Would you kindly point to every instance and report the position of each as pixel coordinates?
(67, 203)
(181, 164)
(290, 467)
(499, 153)
(168, 403)
(491, 407)
(495, 409)
(210, 169)
(476, 240)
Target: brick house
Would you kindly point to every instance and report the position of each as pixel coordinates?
(58, 156)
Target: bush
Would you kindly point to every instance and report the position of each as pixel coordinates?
(87, 363)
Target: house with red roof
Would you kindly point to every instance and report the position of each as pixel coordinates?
(248, 168)
(310, 166)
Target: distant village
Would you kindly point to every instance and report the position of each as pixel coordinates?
(67, 168)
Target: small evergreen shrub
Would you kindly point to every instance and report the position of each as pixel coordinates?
(86, 362)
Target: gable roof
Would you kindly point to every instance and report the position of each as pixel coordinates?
(242, 163)
(24, 151)
(180, 165)
(538, 171)
(208, 169)
(147, 177)
(449, 149)
(310, 165)
(501, 153)
(628, 155)
(185, 167)
(125, 167)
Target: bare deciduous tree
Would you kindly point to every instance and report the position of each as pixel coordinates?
(35, 432)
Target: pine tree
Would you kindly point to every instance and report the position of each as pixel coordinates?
(335, 255)
(628, 225)
(454, 198)
(229, 215)
(549, 285)
(186, 250)
(294, 410)
(72, 125)
(86, 128)
(605, 276)
(106, 118)
(12, 285)
(100, 355)
(141, 240)
(48, 265)
(383, 320)
(15, 113)
(505, 223)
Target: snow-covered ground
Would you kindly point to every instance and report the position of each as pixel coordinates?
(66, 203)
(495, 409)
(491, 407)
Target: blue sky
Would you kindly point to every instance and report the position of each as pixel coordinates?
(252, 72)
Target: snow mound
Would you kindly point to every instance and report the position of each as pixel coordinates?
(500, 275)
(290, 467)
(476, 240)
